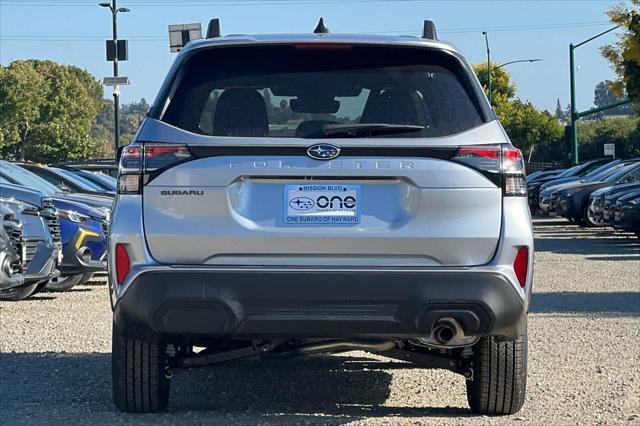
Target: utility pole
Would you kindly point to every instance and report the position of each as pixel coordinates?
(116, 51)
(486, 39)
(575, 115)
(574, 110)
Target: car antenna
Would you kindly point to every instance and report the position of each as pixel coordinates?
(429, 30)
(321, 28)
(213, 30)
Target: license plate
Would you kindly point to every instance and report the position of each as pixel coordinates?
(321, 204)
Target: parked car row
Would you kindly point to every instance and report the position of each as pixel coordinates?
(54, 227)
(600, 192)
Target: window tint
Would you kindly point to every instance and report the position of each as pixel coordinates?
(26, 179)
(284, 91)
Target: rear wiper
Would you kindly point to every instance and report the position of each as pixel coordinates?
(365, 129)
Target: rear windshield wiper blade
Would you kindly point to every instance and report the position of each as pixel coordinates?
(365, 129)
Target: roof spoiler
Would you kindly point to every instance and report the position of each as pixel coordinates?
(429, 30)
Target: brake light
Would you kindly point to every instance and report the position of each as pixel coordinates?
(137, 160)
(123, 264)
(160, 156)
(521, 264)
(504, 164)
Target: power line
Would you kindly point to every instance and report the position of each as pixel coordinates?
(463, 30)
(174, 3)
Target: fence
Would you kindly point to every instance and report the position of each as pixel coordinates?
(536, 166)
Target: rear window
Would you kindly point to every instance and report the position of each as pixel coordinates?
(307, 92)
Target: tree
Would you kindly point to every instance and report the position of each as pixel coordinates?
(621, 131)
(560, 113)
(22, 92)
(53, 113)
(502, 89)
(603, 96)
(625, 54)
(529, 128)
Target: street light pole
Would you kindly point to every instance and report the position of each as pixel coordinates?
(516, 62)
(574, 108)
(116, 91)
(113, 7)
(486, 39)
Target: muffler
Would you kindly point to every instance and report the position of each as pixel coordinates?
(447, 333)
(445, 330)
(84, 254)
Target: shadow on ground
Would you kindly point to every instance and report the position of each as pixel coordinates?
(319, 389)
(625, 303)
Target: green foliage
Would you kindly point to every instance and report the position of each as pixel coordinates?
(131, 115)
(623, 131)
(625, 54)
(22, 92)
(603, 96)
(47, 111)
(529, 128)
(502, 88)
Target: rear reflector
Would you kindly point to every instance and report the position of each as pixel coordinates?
(123, 264)
(521, 264)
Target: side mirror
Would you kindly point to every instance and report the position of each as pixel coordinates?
(630, 179)
(63, 187)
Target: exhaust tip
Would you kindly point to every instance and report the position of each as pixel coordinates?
(84, 254)
(445, 333)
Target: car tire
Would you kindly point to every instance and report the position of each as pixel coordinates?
(18, 293)
(40, 287)
(86, 277)
(588, 221)
(138, 370)
(500, 376)
(580, 221)
(63, 283)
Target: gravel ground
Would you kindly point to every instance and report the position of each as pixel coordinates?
(584, 355)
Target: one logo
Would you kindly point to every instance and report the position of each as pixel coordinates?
(302, 203)
(323, 151)
(336, 202)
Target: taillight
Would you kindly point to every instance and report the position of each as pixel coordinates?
(130, 170)
(123, 264)
(503, 164)
(521, 264)
(137, 161)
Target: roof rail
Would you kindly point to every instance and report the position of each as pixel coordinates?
(429, 30)
(321, 28)
(213, 30)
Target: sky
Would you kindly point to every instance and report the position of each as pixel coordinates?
(73, 32)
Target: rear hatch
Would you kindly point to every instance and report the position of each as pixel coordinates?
(342, 155)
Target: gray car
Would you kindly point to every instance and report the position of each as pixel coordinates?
(319, 193)
(11, 276)
(41, 254)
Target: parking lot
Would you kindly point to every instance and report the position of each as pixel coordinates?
(584, 354)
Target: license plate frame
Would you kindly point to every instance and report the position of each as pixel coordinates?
(322, 204)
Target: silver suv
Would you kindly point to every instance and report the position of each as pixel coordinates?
(320, 193)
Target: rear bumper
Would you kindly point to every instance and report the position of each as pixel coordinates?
(317, 303)
(72, 259)
(44, 263)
